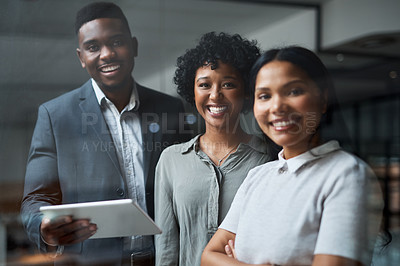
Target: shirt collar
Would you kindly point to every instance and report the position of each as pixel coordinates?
(294, 164)
(133, 102)
(190, 145)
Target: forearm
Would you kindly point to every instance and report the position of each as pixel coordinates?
(215, 254)
(210, 258)
(35, 196)
(332, 260)
(31, 222)
(213, 258)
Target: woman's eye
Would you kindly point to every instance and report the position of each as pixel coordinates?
(263, 96)
(228, 85)
(296, 91)
(203, 85)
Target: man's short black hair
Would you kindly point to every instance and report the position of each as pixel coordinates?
(99, 10)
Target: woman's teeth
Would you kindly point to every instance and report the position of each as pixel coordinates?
(217, 109)
(283, 123)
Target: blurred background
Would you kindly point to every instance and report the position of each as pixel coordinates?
(358, 40)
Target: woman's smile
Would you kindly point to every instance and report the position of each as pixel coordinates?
(288, 105)
(219, 95)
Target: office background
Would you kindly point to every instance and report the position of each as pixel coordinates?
(359, 41)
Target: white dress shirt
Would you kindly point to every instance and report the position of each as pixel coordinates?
(125, 129)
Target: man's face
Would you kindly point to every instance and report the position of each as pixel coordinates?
(107, 51)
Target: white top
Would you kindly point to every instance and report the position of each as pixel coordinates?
(315, 203)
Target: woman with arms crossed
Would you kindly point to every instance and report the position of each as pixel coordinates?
(196, 181)
(310, 207)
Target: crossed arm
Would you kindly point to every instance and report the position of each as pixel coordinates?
(220, 252)
(215, 253)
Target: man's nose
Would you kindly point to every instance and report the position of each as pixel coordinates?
(107, 53)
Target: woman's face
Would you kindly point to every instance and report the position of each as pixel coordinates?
(288, 106)
(219, 96)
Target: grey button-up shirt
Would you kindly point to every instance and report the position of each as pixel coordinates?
(193, 195)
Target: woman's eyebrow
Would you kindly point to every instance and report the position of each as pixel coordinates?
(202, 78)
(294, 81)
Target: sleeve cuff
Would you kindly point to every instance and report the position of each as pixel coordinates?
(59, 251)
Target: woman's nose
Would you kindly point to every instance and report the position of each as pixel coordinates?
(216, 92)
(278, 105)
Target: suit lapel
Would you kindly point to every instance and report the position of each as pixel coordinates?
(92, 113)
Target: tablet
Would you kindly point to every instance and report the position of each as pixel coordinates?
(114, 218)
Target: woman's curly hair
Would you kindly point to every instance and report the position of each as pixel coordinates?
(229, 49)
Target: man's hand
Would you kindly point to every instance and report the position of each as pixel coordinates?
(64, 230)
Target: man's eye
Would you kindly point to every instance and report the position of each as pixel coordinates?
(117, 43)
(93, 48)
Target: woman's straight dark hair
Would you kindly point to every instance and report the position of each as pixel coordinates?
(310, 63)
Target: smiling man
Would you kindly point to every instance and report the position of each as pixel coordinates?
(98, 142)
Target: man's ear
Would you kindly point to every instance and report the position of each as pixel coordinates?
(78, 52)
(135, 46)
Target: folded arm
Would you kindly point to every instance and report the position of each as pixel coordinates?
(215, 254)
(220, 252)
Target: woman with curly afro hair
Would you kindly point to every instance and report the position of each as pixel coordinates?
(197, 180)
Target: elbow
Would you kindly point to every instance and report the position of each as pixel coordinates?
(203, 261)
(206, 257)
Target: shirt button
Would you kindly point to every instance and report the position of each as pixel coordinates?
(281, 170)
(120, 192)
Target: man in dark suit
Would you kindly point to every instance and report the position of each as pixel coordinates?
(98, 142)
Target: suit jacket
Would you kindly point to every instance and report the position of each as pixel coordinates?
(73, 159)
